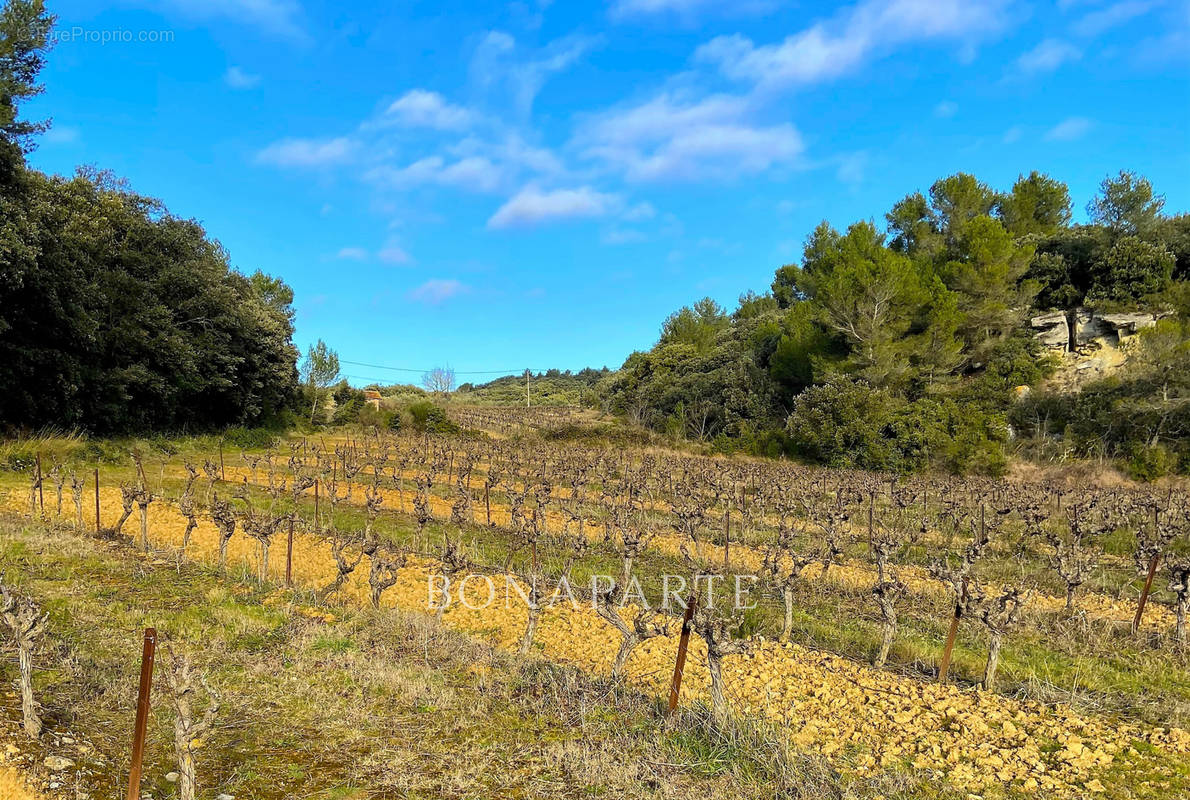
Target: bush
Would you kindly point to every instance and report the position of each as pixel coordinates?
(1150, 462)
(845, 423)
(430, 418)
(250, 438)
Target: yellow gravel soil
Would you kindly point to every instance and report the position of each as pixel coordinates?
(860, 718)
(14, 787)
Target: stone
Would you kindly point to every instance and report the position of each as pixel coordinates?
(1089, 328)
(1126, 325)
(226, 797)
(57, 763)
(1052, 330)
(171, 777)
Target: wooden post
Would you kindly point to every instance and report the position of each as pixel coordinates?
(952, 634)
(316, 526)
(222, 472)
(1144, 594)
(675, 686)
(97, 500)
(871, 517)
(727, 541)
(142, 713)
(289, 557)
(487, 501)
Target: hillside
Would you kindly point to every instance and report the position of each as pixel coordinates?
(906, 347)
(551, 388)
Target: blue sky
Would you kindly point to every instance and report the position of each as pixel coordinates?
(538, 184)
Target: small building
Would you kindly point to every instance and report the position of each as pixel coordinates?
(372, 398)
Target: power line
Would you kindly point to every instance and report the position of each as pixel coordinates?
(516, 371)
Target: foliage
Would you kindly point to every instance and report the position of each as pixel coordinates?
(250, 438)
(550, 388)
(431, 418)
(24, 39)
(906, 349)
(116, 315)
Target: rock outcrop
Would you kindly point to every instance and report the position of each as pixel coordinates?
(1092, 344)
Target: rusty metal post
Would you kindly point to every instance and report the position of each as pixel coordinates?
(952, 634)
(142, 713)
(675, 686)
(1144, 594)
(289, 557)
(97, 500)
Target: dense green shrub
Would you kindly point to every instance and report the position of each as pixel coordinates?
(250, 438)
(1150, 462)
(430, 418)
(846, 423)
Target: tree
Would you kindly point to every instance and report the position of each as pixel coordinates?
(987, 277)
(911, 227)
(868, 295)
(1131, 269)
(955, 202)
(24, 39)
(319, 372)
(118, 317)
(1037, 204)
(439, 380)
(695, 325)
(1126, 204)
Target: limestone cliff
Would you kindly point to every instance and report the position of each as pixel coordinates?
(1092, 344)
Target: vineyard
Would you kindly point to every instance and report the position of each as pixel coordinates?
(1003, 637)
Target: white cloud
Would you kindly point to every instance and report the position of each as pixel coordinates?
(622, 9)
(308, 152)
(62, 134)
(1013, 134)
(670, 138)
(1105, 19)
(946, 109)
(839, 45)
(237, 78)
(617, 236)
(1069, 129)
(420, 108)
(436, 291)
(640, 212)
(469, 174)
(532, 205)
(852, 168)
(281, 17)
(1048, 56)
(499, 68)
(352, 254)
(393, 254)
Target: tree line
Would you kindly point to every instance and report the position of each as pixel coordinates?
(902, 347)
(115, 314)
